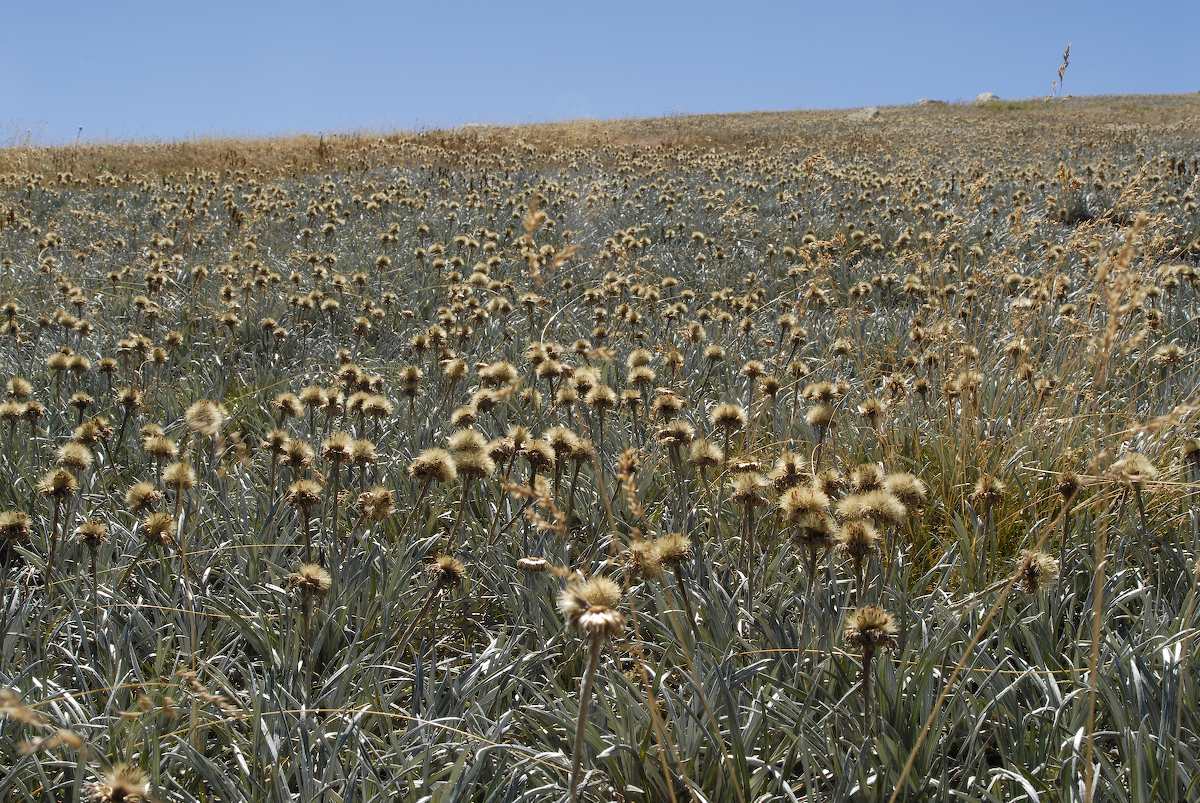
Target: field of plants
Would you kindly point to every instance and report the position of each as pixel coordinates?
(767, 457)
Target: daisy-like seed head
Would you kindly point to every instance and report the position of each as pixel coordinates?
(304, 494)
(870, 628)
(311, 578)
(601, 398)
(74, 456)
(673, 548)
(747, 489)
(160, 447)
(58, 484)
(583, 450)
(140, 496)
(1134, 468)
(590, 606)
(866, 477)
(802, 500)
(206, 417)
(14, 525)
(474, 465)
(377, 503)
(988, 491)
(540, 456)
(464, 416)
(858, 539)
(297, 454)
(642, 559)
(123, 783)
(467, 441)
(179, 476)
(666, 403)
(19, 388)
(1034, 570)
(158, 529)
(561, 440)
(338, 448)
(535, 565)
(446, 571)
(363, 452)
(676, 434)
(789, 471)
(728, 417)
(819, 416)
(433, 465)
(1068, 485)
(705, 454)
(1190, 451)
(91, 533)
(287, 405)
(910, 490)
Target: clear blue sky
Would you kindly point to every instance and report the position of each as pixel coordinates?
(167, 70)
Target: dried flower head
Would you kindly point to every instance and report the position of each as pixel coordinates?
(446, 572)
(58, 484)
(206, 417)
(311, 579)
(158, 529)
(870, 628)
(673, 548)
(1034, 570)
(304, 494)
(911, 491)
(433, 465)
(1134, 468)
(140, 496)
(591, 607)
(14, 525)
(728, 417)
(641, 559)
(988, 492)
(123, 783)
(179, 476)
(91, 533)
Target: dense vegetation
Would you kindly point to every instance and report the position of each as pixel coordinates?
(769, 457)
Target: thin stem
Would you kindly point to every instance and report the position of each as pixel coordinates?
(585, 694)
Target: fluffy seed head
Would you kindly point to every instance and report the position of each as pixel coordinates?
(206, 417)
(74, 456)
(673, 548)
(433, 465)
(446, 571)
(801, 501)
(911, 492)
(1134, 468)
(91, 533)
(311, 578)
(705, 454)
(1034, 570)
(304, 494)
(590, 606)
(158, 529)
(179, 476)
(467, 441)
(870, 628)
(140, 496)
(14, 525)
(58, 484)
(474, 465)
(121, 784)
(728, 417)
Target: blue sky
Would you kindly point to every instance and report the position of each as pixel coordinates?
(168, 70)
